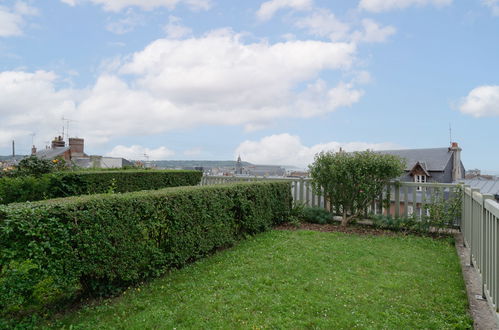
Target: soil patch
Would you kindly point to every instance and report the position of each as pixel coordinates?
(350, 229)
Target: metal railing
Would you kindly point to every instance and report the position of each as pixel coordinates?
(480, 227)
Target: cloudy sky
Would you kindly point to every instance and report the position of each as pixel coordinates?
(274, 81)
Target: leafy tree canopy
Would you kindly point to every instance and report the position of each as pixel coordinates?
(351, 181)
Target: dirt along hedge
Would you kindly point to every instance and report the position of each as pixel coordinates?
(64, 184)
(56, 250)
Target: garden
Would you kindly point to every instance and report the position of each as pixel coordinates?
(146, 248)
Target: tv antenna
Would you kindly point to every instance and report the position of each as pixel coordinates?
(450, 134)
(66, 121)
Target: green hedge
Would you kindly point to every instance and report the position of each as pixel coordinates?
(64, 184)
(55, 250)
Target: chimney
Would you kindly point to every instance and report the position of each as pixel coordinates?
(457, 174)
(33, 150)
(58, 142)
(77, 146)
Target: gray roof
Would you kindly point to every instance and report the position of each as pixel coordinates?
(434, 159)
(485, 186)
(51, 153)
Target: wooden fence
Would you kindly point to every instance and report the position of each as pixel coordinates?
(480, 227)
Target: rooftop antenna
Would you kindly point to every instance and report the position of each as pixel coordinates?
(450, 134)
(33, 138)
(66, 121)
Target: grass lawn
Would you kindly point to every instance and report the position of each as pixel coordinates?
(298, 279)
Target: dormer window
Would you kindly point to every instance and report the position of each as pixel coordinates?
(418, 178)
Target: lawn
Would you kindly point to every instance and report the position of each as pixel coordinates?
(298, 279)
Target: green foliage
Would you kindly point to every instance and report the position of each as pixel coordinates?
(351, 181)
(438, 215)
(35, 166)
(410, 224)
(64, 184)
(316, 215)
(99, 244)
(444, 213)
(24, 188)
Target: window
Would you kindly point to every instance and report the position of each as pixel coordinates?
(419, 179)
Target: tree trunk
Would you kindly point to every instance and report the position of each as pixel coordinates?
(344, 221)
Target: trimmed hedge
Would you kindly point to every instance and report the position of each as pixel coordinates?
(56, 250)
(64, 184)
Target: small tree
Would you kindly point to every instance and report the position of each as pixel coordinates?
(34, 166)
(351, 181)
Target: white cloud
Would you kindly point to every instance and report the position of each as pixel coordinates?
(268, 9)
(378, 6)
(174, 29)
(323, 23)
(216, 79)
(71, 3)
(373, 32)
(483, 101)
(12, 19)
(118, 5)
(29, 102)
(125, 24)
(493, 5)
(137, 152)
(286, 149)
(22, 8)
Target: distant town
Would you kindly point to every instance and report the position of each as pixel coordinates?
(72, 150)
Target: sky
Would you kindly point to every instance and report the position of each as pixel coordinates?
(273, 81)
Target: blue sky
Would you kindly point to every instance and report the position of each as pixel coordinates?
(275, 81)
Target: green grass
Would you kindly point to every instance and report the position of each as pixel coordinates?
(301, 279)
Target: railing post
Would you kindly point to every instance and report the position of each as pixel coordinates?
(397, 199)
(406, 204)
(472, 224)
(301, 190)
(484, 235)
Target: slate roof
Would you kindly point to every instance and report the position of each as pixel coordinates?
(51, 153)
(434, 159)
(485, 186)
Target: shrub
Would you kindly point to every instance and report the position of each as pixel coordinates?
(316, 215)
(64, 184)
(351, 181)
(99, 244)
(35, 166)
(24, 188)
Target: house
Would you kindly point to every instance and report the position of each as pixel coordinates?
(101, 162)
(58, 149)
(441, 165)
(74, 153)
(486, 185)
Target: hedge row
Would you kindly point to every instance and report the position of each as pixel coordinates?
(56, 250)
(64, 184)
